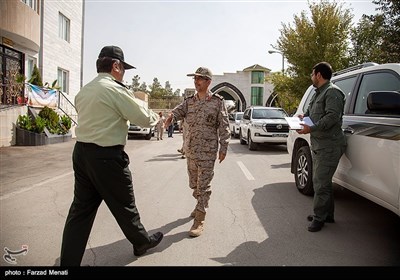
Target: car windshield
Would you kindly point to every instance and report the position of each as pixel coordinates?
(239, 116)
(268, 114)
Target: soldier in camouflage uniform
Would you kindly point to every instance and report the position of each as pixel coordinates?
(207, 125)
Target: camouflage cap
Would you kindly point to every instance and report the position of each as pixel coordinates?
(203, 72)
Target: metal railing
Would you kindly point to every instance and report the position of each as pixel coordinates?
(67, 108)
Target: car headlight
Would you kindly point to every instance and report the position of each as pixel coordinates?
(257, 125)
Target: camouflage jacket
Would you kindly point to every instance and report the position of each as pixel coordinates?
(207, 124)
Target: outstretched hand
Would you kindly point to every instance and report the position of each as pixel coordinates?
(168, 120)
(221, 156)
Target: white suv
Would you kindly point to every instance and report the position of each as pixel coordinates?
(234, 123)
(261, 124)
(370, 165)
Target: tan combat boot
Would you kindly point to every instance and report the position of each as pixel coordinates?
(193, 214)
(198, 225)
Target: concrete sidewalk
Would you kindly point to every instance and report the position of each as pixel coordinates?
(34, 184)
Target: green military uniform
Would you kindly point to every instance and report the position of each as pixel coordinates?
(327, 144)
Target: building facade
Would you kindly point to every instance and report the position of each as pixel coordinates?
(243, 88)
(48, 34)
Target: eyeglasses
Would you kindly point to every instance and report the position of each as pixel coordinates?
(200, 78)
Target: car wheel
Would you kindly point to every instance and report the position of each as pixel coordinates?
(251, 144)
(303, 171)
(241, 138)
(148, 136)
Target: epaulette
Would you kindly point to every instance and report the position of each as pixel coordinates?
(219, 96)
(118, 82)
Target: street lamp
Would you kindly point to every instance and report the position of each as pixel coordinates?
(283, 59)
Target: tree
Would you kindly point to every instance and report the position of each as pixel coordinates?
(367, 38)
(135, 83)
(36, 78)
(168, 89)
(156, 90)
(309, 40)
(391, 14)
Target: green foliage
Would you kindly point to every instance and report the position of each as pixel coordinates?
(321, 37)
(366, 38)
(377, 37)
(47, 118)
(283, 89)
(54, 85)
(66, 123)
(35, 125)
(52, 119)
(36, 78)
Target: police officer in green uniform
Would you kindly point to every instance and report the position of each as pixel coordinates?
(328, 142)
(100, 164)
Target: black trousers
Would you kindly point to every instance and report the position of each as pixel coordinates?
(101, 173)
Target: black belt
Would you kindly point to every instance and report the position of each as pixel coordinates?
(92, 145)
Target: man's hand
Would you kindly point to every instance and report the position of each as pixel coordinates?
(306, 129)
(168, 120)
(221, 156)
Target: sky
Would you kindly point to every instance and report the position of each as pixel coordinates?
(169, 39)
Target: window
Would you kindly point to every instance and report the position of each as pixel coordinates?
(31, 3)
(62, 80)
(375, 82)
(257, 77)
(63, 27)
(29, 67)
(347, 86)
(257, 95)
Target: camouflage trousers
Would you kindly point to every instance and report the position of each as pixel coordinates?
(201, 172)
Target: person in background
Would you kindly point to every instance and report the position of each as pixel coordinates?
(160, 126)
(328, 142)
(100, 163)
(207, 138)
(170, 128)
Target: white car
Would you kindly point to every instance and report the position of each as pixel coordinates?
(370, 165)
(135, 130)
(234, 123)
(261, 124)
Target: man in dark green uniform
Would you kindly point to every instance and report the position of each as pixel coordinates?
(327, 141)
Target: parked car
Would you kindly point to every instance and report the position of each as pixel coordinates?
(234, 123)
(261, 124)
(370, 165)
(146, 132)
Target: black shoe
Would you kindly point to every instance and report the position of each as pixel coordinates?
(155, 239)
(315, 226)
(327, 220)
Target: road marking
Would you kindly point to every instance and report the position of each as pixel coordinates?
(34, 186)
(245, 171)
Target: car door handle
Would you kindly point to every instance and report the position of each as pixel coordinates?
(348, 130)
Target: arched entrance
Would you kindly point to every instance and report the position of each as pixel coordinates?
(230, 92)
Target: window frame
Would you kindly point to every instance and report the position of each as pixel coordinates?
(64, 27)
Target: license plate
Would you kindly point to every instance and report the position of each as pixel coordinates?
(279, 135)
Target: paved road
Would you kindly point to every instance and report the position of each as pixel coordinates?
(256, 215)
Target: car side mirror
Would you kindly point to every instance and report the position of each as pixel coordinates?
(383, 102)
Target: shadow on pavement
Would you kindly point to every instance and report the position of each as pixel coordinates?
(120, 253)
(364, 234)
